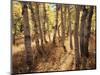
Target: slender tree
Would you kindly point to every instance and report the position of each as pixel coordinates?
(76, 40)
(63, 28)
(39, 24)
(48, 30)
(85, 33)
(44, 23)
(70, 27)
(48, 26)
(36, 30)
(40, 30)
(82, 37)
(14, 34)
(88, 30)
(83, 23)
(27, 38)
(65, 19)
(56, 26)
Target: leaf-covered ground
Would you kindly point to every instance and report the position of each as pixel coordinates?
(55, 59)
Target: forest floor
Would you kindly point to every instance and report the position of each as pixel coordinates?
(55, 58)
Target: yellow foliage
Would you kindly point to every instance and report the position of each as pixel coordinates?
(17, 8)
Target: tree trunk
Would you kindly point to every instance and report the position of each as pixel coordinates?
(65, 19)
(36, 35)
(59, 36)
(48, 26)
(44, 23)
(14, 34)
(63, 28)
(88, 30)
(27, 38)
(76, 41)
(48, 30)
(47, 21)
(40, 30)
(56, 26)
(70, 27)
(83, 31)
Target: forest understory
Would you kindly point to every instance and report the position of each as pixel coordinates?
(54, 59)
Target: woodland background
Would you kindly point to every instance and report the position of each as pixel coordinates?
(53, 37)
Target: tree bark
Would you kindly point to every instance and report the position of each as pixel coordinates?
(88, 30)
(76, 40)
(83, 31)
(27, 38)
(63, 28)
(14, 34)
(36, 30)
(44, 24)
(70, 28)
(56, 26)
(40, 30)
